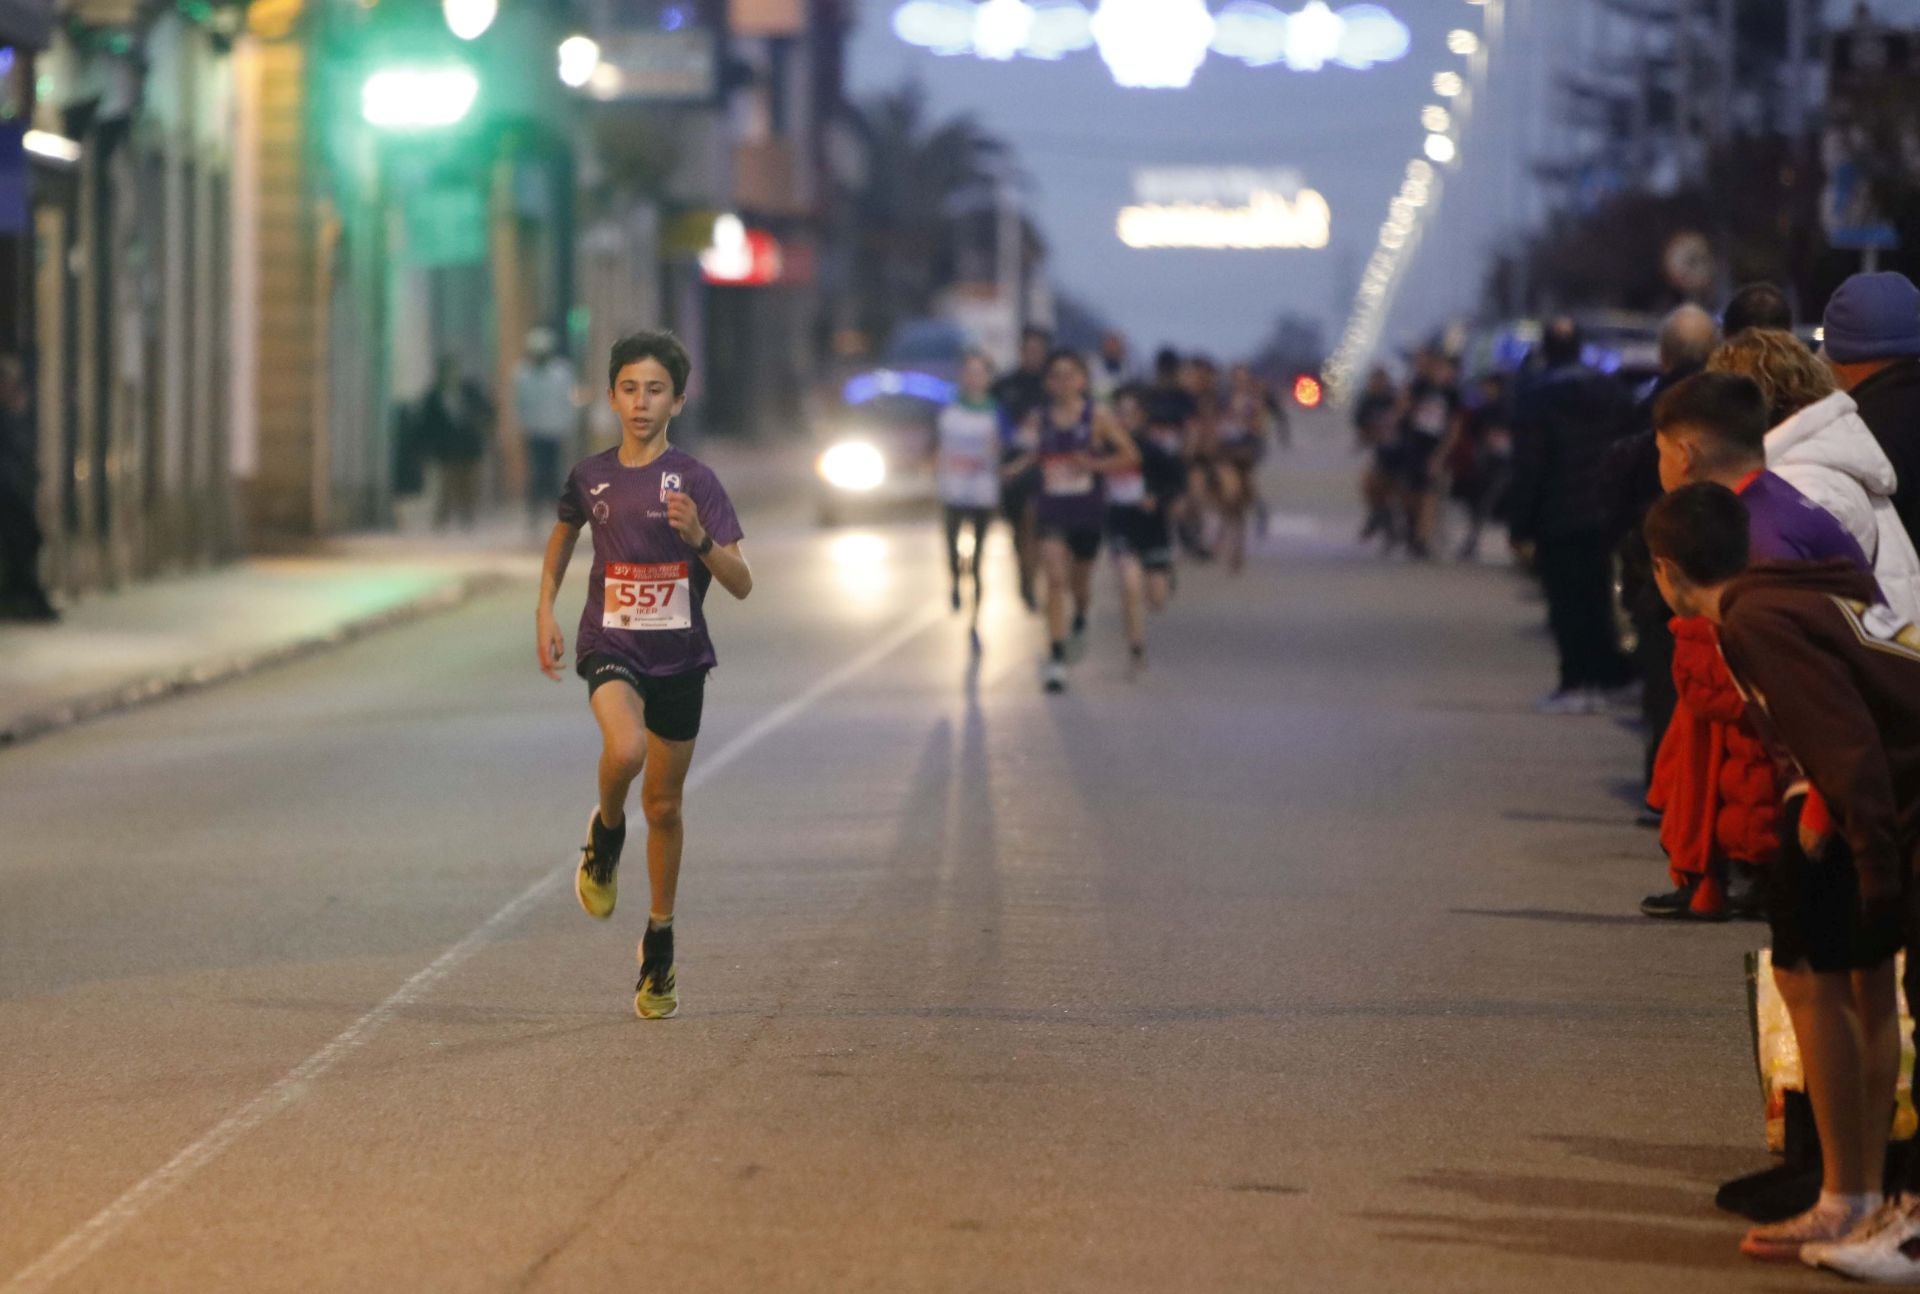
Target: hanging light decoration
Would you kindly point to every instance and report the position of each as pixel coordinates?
(1158, 44)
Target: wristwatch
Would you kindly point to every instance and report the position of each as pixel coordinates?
(706, 546)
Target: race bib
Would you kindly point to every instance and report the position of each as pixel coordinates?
(1065, 475)
(659, 596)
(1128, 489)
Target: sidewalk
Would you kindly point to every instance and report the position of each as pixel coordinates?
(114, 650)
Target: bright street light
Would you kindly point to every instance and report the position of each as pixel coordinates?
(418, 98)
(1440, 149)
(1436, 119)
(1448, 84)
(1463, 42)
(579, 57)
(468, 19)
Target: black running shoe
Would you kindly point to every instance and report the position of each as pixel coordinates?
(1676, 906)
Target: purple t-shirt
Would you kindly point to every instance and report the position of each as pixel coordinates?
(645, 595)
(1784, 525)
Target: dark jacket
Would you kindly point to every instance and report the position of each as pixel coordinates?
(1834, 679)
(1563, 428)
(1889, 404)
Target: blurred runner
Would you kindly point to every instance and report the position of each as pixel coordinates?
(1478, 457)
(1018, 394)
(663, 530)
(1242, 444)
(1071, 441)
(1201, 378)
(543, 384)
(1111, 368)
(1373, 435)
(968, 466)
(1142, 544)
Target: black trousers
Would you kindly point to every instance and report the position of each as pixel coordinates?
(1654, 657)
(19, 545)
(1577, 574)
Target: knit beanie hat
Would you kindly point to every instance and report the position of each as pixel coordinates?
(1873, 316)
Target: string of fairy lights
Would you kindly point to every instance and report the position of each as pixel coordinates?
(1444, 123)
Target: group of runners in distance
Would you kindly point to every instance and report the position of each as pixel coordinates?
(1070, 464)
(1078, 454)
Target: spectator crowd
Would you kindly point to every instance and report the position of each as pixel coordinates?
(1730, 552)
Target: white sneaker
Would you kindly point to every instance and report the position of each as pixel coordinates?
(1824, 1223)
(1571, 700)
(1889, 1255)
(1891, 1211)
(1056, 676)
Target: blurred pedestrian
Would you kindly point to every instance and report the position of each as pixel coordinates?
(1835, 682)
(1757, 305)
(1567, 421)
(1819, 443)
(1687, 337)
(1171, 413)
(1427, 415)
(1374, 437)
(967, 465)
(22, 595)
(1017, 395)
(452, 419)
(544, 387)
(1713, 781)
(1872, 343)
(1478, 459)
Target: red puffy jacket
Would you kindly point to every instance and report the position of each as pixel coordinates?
(1712, 780)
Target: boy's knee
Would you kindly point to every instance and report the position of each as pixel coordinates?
(662, 811)
(627, 754)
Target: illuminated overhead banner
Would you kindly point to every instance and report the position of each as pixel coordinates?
(1157, 44)
(1229, 209)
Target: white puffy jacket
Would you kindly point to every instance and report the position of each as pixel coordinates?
(1826, 452)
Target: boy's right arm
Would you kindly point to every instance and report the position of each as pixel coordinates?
(549, 643)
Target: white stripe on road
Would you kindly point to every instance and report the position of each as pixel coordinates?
(94, 1234)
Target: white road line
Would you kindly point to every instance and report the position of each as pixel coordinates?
(94, 1234)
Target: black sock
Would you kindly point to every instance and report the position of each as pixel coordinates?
(1059, 650)
(1079, 622)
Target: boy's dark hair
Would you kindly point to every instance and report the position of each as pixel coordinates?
(662, 347)
(1727, 408)
(1134, 391)
(1033, 331)
(1071, 356)
(1166, 360)
(1702, 529)
(1757, 305)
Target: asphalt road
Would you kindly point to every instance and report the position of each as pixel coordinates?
(1306, 961)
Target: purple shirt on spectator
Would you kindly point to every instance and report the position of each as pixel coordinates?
(1783, 525)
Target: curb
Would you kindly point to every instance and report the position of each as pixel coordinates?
(194, 678)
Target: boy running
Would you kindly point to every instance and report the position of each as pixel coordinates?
(1137, 532)
(663, 530)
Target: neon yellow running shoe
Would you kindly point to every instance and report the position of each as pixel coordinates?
(656, 996)
(597, 880)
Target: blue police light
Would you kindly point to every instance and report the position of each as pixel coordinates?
(867, 387)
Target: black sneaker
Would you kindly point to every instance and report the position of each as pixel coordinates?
(1675, 906)
(1746, 892)
(597, 880)
(656, 996)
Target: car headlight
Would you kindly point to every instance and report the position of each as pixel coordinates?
(854, 466)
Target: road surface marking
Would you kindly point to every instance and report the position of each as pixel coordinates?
(94, 1234)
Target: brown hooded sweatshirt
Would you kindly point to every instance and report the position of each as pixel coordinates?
(1835, 676)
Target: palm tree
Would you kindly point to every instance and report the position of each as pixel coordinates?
(920, 178)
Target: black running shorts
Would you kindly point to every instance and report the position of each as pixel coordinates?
(1142, 534)
(672, 702)
(1083, 544)
(1813, 907)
